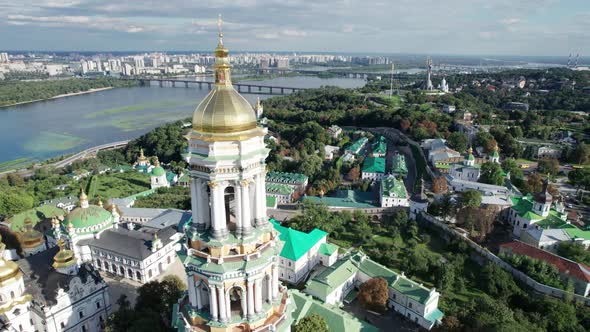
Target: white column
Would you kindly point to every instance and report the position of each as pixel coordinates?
(195, 200)
(192, 293)
(227, 305)
(260, 199)
(222, 303)
(268, 288)
(238, 209)
(217, 211)
(250, 295)
(275, 281)
(258, 296)
(199, 299)
(213, 302)
(204, 207)
(244, 304)
(246, 216)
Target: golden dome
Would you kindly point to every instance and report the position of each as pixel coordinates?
(64, 257)
(30, 238)
(8, 269)
(224, 110)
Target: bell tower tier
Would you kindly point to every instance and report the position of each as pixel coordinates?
(229, 249)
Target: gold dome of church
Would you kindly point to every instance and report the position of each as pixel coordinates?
(224, 110)
(9, 270)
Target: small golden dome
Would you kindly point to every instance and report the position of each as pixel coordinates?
(30, 237)
(64, 257)
(9, 270)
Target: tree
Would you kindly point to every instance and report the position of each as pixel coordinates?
(439, 185)
(582, 153)
(580, 177)
(509, 165)
(491, 173)
(471, 198)
(373, 294)
(458, 141)
(548, 166)
(311, 323)
(13, 201)
(496, 282)
(354, 173)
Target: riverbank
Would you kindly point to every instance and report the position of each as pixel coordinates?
(59, 96)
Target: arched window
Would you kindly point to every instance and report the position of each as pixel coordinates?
(138, 275)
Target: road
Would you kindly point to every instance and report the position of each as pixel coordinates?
(26, 173)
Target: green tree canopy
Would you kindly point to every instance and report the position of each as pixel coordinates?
(491, 173)
(311, 323)
(471, 198)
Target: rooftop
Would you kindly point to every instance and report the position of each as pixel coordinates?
(357, 145)
(565, 266)
(296, 243)
(380, 146)
(374, 165)
(399, 164)
(279, 188)
(284, 177)
(346, 199)
(36, 215)
(392, 187)
(336, 318)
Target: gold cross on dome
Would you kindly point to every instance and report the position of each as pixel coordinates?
(219, 23)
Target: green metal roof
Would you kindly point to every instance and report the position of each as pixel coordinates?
(336, 318)
(37, 214)
(328, 249)
(87, 217)
(286, 178)
(575, 232)
(331, 278)
(279, 188)
(524, 208)
(158, 171)
(399, 164)
(296, 243)
(357, 146)
(392, 187)
(412, 290)
(380, 146)
(374, 165)
(345, 198)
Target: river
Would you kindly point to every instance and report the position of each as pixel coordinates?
(46, 129)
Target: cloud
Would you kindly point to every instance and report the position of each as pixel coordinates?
(426, 26)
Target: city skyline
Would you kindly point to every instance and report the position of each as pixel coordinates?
(456, 27)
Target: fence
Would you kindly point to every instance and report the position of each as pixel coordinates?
(484, 252)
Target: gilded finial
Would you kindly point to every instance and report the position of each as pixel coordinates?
(60, 244)
(219, 24)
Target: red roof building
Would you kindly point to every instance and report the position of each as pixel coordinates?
(579, 273)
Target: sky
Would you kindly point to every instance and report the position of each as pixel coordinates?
(463, 27)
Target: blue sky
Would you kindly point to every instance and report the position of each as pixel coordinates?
(506, 27)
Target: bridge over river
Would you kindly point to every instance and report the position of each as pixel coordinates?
(241, 87)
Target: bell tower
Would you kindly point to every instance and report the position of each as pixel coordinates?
(229, 253)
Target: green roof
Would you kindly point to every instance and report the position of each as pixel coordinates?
(357, 146)
(435, 316)
(286, 178)
(328, 249)
(141, 194)
(374, 165)
(412, 290)
(87, 217)
(36, 215)
(336, 318)
(392, 187)
(296, 243)
(399, 164)
(331, 278)
(442, 165)
(524, 208)
(345, 198)
(278, 188)
(184, 178)
(575, 232)
(158, 171)
(470, 157)
(271, 201)
(380, 146)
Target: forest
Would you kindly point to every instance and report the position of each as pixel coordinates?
(13, 92)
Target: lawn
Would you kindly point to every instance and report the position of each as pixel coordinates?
(117, 185)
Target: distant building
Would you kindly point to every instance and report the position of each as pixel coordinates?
(296, 180)
(393, 193)
(334, 131)
(330, 151)
(373, 168)
(300, 252)
(516, 106)
(549, 152)
(578, 273)
(399, 167)
(448, 109)
(358, 146)
(281, 192)
(408, 298)
(379, 147)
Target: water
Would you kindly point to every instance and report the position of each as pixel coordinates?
(50, 128)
